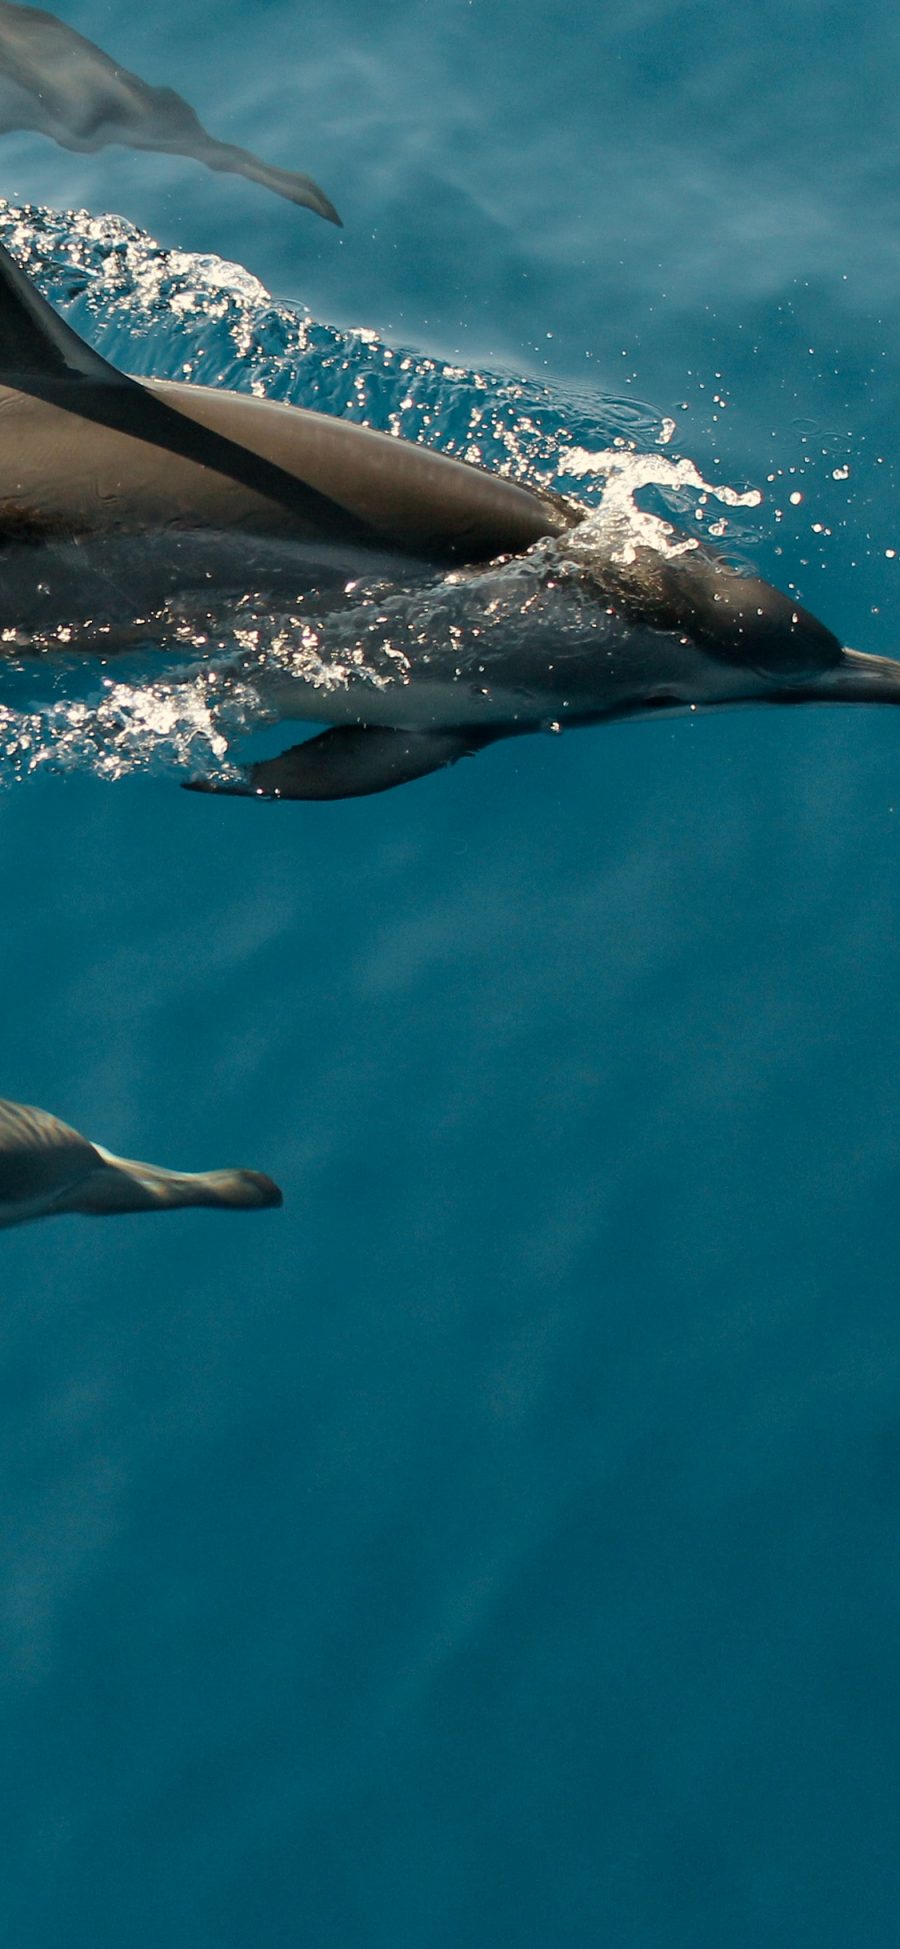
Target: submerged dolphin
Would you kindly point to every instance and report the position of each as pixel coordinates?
(47, 1169)
(202, 485)
(55, 81)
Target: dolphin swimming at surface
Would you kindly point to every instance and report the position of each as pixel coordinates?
(187, 488)
(47, 1169)
(56, 82)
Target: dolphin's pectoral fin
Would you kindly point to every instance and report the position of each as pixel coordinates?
(350, 761)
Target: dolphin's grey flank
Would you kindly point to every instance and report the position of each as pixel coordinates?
(56, 82)
(47, 1169)
(185, 486)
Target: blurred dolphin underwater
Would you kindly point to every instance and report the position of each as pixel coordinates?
(47, 1170)
(55, 81)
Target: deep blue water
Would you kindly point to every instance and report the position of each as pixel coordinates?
(500, 1544)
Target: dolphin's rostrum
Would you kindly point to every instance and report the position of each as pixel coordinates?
(206, 487)
(47, 1169)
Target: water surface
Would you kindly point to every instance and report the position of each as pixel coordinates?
(499, 1543)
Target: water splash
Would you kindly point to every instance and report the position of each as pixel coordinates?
(626, 524)
(174, 315)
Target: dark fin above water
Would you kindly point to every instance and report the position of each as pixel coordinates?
(41, 355)
(351, 761)
(35, 343)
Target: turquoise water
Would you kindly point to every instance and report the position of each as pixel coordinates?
(500, 1543)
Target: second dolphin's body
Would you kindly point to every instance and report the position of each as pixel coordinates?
(159, 489)
(47, 1169)
(55, 81)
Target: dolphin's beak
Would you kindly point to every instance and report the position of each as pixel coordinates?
(857, 679)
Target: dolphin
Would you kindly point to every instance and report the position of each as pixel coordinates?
(47, 1169)
(191, 486)
(55, 81)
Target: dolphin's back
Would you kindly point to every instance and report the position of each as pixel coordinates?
(85, 449)
(407, 494)
(63, 472)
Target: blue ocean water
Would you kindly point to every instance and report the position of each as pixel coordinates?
(500, 1543)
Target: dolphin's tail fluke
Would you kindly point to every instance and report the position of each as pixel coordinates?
(125, 1185)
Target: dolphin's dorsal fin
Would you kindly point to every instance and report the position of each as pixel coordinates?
(35, 342)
